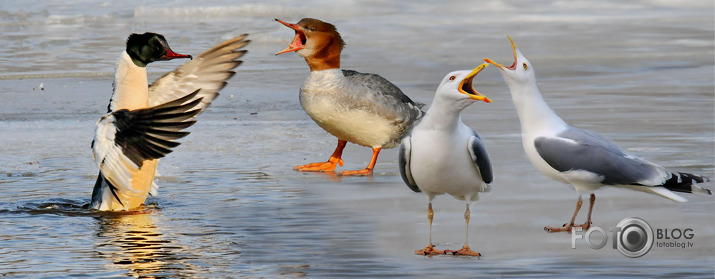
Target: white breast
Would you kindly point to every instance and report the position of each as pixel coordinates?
(441, 164)
(326, 99)
(131, 89)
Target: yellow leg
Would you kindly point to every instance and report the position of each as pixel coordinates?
(465, 250)
(429, 250)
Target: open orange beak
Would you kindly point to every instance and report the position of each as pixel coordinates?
(298, 41)
(466, 86)
(500, 66)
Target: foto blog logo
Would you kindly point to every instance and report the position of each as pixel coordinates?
(633, 237)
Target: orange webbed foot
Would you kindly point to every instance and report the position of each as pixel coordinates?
(367, 171)
(429, 251)
(564, 228)
(465, 251)
(330, 165)
(363, 172)
(568, 227)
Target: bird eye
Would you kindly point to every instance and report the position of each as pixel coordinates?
(526, 67)
(452, 77)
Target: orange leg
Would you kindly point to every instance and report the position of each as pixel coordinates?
(368, 169)
(330, 165)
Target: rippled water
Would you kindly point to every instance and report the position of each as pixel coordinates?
(640, 73)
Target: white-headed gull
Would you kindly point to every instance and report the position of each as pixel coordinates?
(443, 156)
(579, 157)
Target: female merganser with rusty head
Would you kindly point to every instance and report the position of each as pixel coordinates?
(144, 121)
(361, 108)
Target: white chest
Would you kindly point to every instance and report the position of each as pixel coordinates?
(131, 89)
(326, 99)
(441, 163)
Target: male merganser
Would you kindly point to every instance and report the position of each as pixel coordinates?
(579, 157)
(443, 156)
(144, 122)
(361, 108)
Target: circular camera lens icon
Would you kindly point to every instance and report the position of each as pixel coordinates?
(635, 237)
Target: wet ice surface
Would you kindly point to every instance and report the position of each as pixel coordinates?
(230, 204)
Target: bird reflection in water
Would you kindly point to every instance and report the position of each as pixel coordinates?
(132, 241)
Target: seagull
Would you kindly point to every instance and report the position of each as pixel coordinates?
(579, 157)
(361, 108)
(143, 122)
(443, 156)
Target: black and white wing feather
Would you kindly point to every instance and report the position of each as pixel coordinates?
(404, 164)
(480, 157)
(208, 72)
(125, 138)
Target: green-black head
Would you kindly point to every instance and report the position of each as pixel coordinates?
(149, 47)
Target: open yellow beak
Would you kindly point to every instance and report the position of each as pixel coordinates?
(500, 66)
(466, 86)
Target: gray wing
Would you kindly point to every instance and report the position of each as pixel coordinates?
(404, 163)
(480, 157)
(576, 149)
(391, 94)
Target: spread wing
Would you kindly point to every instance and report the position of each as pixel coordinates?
(480, 157)
(125, 138)
(207, 71)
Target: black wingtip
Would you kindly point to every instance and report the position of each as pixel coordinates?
(685, 183)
